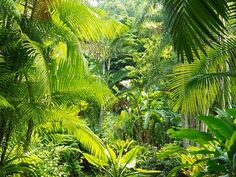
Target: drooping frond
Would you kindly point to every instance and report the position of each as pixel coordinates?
(14, 166)
(232, 11)
(37, 61)
(32, 110)
(195, 23)
(68, 119)
(198, 85)
(71, 80)
(86, 23)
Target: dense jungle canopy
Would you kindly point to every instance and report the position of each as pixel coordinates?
(117, 88)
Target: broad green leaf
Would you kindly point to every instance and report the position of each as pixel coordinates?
(129, 159)
(203, 152)
(231, 145)
(192, 134)
(231, 112)
(111, 153)
(168, 150)
(176, 169)
(222, 129)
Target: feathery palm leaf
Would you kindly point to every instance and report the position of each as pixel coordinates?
(70, 79)
(68, 119)
(196, 86)
(86, 23)
(189, 27)
(4, 103)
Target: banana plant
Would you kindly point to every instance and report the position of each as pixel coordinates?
(119, 163)
(218, 145)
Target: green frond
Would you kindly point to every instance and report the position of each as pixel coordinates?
(68, 119)
(71, 81)
(20, 168)
(8, 8)
(232, 11)
(189, 27)
(4, 103)
(37, 61)
(15, 165)
(197, 86)
(32, 110)
(86, 23)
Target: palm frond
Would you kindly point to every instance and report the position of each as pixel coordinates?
(189, 27)
(196, 86)
(8, 8)
(32, 110)
(86, 23)
(71, 81)
(16, 165)
(38, 62)
(4, 103)
(68, 119)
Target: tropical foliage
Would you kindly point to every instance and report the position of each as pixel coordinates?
(117, 88)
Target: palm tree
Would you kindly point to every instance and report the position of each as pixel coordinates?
(202, 30)
(203, 33)
(34, 82)
(194, 24)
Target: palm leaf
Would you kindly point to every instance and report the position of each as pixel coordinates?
(4, 103)
(189, 27)
(82, 21)
(71, 81)
(8, 8)
(37, 61)
(68, 119)
(195, 86)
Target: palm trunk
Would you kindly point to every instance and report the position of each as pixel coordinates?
(101, 118)
(33, 9)
(30, 122)
(26, 8)
(28, 135)
(5, 142)
(185, 124)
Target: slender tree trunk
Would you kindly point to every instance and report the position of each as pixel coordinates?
(28, 134)
(33, 9)
(101, 118)
(203, 127)
(2, 127)
(26, 8)
(30, 122)
(5, 142)
(185, 124)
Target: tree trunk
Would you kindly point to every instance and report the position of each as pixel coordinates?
(5, 142)
(185, 124)
(30, 122)
(28, 135)
(101, 118)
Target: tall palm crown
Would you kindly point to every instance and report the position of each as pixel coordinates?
(202, 30)
(43, 70)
